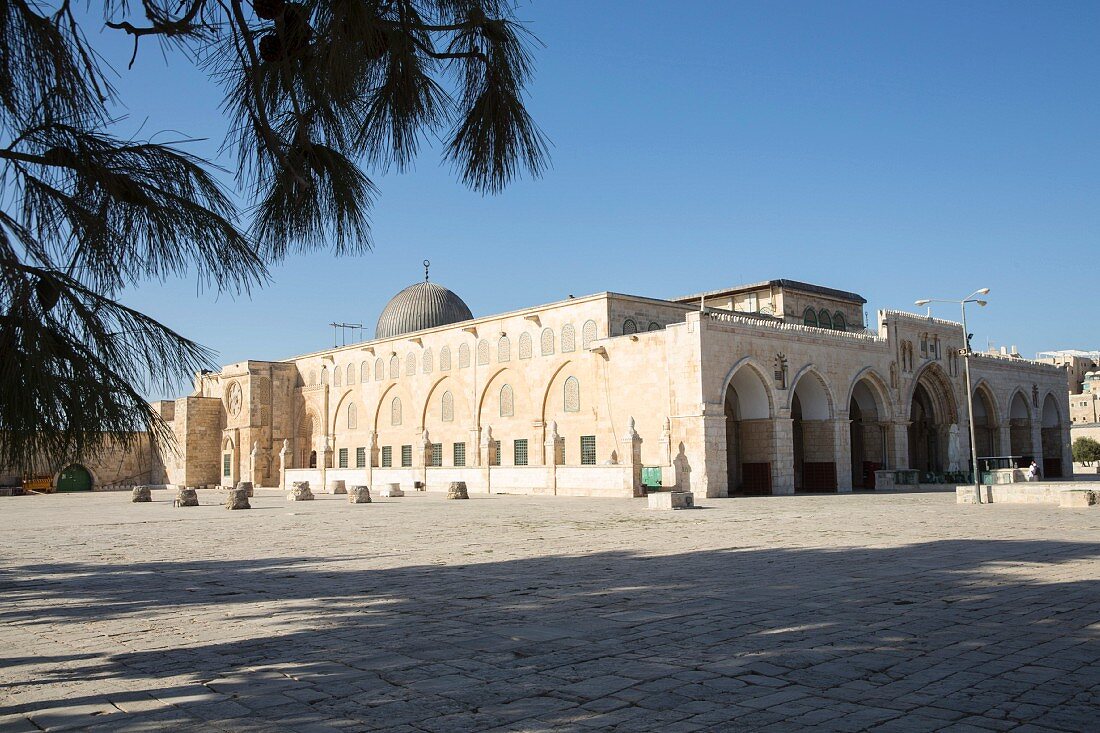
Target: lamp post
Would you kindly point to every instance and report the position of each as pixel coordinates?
(969, 390)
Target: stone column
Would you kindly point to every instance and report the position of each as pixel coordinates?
(372, 446)
(632, 460)
(473, 456)
(423, 458)
(550, 452)
(284, 458)
(540, 444)
(900, 442)
(783, 456)
(842, 452)
(1004, 435)
(483, 452)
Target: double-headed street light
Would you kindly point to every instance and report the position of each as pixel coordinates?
(969, 394)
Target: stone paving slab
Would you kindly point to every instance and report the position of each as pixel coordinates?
(838, 613)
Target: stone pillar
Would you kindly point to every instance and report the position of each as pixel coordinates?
(473, 457)
(704, 452)
(632, 460)
(783, 456)
(1004, 434)
(284, 458)
(422, 459)
(550, 452)
(541, 456)
(900, 435)
(483, 457)
(1037, 442)
(255, 465)
(842, 452)
(665, 443)
(372, 446)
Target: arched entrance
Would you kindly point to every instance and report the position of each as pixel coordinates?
(750, 435)
(813, 438)
(1019, 430)
(305, 455)
(867, 431)
(932, 412)
(985, 424)
(74, 478)
(1052, 439)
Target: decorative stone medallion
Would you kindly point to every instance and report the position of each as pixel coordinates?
(234, 398)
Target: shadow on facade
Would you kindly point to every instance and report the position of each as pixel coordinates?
(481, 645)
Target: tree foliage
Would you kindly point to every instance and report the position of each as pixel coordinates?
(316, 94)
(1085, 450)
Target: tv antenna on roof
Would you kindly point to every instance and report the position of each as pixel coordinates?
(343, 333)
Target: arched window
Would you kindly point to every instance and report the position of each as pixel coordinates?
(379, 370)
(410, 364)
(482, 352)
(364, 372)
(351, 416)
(629, 326)
(429, 361)
(395, 367)
(654, 326)
(395, 411)
(324, 376)
(568, 338)
(824, 320)
(838, 322)
(572, 395)
(525, 346)
(463, 356)
(547, 341)
(448, 407)
(351, 375)
(809, 317)
(507, 402)
(445, 359)
(337, 377)
(312, 379)
(588, 334)
(504, 349)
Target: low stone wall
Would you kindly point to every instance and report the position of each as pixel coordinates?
(1061, 493)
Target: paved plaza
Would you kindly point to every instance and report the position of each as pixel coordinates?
(856, 612)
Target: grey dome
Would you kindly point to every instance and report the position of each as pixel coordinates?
(420, 306)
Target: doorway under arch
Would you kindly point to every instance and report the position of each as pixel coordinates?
(985, 424)
(1019, 430)
(750, 435)
(932, 412)
(1051, 433)
(813, 437)
(867, 433)
(74, 478)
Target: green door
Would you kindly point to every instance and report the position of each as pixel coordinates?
(74, 478)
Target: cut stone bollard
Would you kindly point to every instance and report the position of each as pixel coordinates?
(672, 500)
(392, 490)
(187, 496)
(359, 495)
(237, 499)
(247, 486)
(300, 492)
(457, 490)
(141, 493)
(337, 487)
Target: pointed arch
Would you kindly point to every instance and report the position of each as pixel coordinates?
(588, 333)
(364, 372)
(547, 342)
(445, 359)
(758, 401)
(324, 375)
(877, 386)
(504, 349)
(463, 356)
(410, 364)
(395, 366)
(482, 352)
(337, 376)
(816, 397)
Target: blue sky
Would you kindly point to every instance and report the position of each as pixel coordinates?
(900, 150)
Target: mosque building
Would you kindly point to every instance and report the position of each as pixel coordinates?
(766, 388)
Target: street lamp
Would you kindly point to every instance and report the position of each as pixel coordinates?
(969, 394)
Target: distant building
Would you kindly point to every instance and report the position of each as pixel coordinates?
(1077, 364)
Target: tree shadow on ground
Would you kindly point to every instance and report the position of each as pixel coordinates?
(918, 637)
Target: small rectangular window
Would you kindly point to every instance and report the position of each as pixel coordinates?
(460, 454)
(494, 452)
(435, 454)
(406, 456)
(519, 451)
(225, 464)
(387, 456)
(360, 457)
(588, 450)
(343, 458)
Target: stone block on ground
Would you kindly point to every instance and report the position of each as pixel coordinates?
(247, 486)
(237, 499)
(359, 495)
(672, 500)
(1079, 499)
(187, 496)
(300, 491)
(391, 490)
(141, 493)
(457, 490)
(337, 487)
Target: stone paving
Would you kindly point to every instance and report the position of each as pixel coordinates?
(883, 612)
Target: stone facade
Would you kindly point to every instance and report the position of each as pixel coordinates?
(579, 396)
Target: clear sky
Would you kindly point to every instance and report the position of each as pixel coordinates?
(899, 150)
